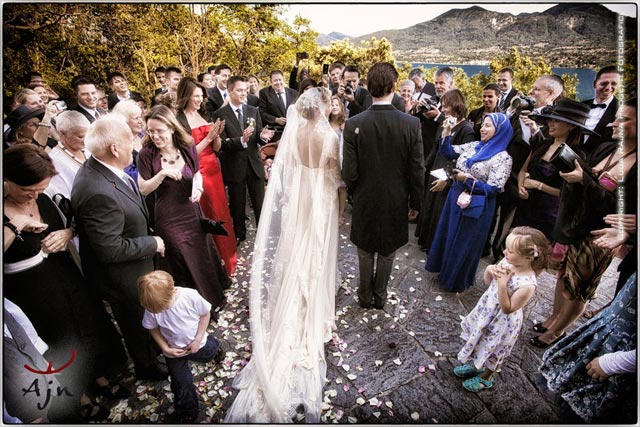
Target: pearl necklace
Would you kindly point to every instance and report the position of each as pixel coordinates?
(70, 154)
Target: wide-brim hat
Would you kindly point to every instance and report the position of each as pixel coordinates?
(568, 111)
(21, 115)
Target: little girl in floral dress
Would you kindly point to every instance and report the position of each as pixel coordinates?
(493, 326)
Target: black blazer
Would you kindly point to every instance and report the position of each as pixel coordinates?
(270, 108)
(362, 101)
(112, 99)
(87, 115)
(112, 223)
(507, 101)
(383, 167)
(605, 133)
(252, 100)
(398, 102)
(428, 89)
(235, 160)
(214, 100)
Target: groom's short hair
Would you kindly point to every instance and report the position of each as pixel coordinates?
(381, 79)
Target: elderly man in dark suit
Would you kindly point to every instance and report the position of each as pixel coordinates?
(603, 108)
(274, 101)
(383, 167)
(87, 98)
(242, 167)
(116, 247)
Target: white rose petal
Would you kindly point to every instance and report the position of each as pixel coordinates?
(389, 404)
(438, 298)
(415, 416)
(378, 362)
(346, 367)
(397, 361)
(352, 376)
(360, 401)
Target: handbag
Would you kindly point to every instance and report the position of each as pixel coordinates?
(563, 158)
(211, 226)
(472, 205)
(64, 206)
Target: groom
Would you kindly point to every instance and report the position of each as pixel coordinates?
(384, 170)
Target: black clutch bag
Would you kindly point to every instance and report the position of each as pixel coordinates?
(563, 158)
(213, 227)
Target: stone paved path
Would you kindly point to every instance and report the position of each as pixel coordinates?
(384, 366)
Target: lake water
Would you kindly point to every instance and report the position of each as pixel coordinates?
(585, 77)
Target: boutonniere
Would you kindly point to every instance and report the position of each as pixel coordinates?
(251, 122)
(357, 131)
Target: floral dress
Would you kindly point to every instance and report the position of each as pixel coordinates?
(563, 365)
(489, 333)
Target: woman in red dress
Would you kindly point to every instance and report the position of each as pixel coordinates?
(191, 115)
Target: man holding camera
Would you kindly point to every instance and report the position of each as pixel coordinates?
(356, 98)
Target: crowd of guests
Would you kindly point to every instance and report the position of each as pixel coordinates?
(101, 194)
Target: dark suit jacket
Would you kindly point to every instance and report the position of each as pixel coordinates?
(507, 101)
(235, 160)
(112, 224)
(87, 115)
(270, 108)
(398, 102)
(214, 100)
(252, 100)
(383, 167)
(362, 101)
(429, 89)
(601, 128)
(112, 99)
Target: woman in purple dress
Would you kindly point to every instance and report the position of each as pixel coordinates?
(168, 165)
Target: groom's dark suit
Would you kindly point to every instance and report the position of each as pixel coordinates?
(116, 249)
(241, 167)
(383, 167)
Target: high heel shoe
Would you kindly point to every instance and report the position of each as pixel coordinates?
(535, 341)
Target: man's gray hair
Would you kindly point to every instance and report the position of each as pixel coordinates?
(554, 84)
(108, 130)
(417, 72)
(447, 72)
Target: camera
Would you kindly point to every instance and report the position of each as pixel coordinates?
(348, 89)
(60, 105)
(302, 55)
(523, 103)
(431, 103)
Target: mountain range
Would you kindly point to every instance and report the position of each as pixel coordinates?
(581, 35)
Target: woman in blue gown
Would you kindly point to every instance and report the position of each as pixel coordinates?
(482, 167)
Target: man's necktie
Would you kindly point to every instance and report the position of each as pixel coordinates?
(598, 105)
(131, 184)
(224, 96)
(503, 98)
(240, 120)
(281, 101)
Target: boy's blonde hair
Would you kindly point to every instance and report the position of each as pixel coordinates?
(156, 291)
(531, 242)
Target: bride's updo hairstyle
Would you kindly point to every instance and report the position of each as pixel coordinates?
(308, 105)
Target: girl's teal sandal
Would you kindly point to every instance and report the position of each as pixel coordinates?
(467, 371)
(476, 384)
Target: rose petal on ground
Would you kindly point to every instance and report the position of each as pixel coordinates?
(374, 401)
(415, 416)
(438, 298)
(352, 376)
(397, 361)
(376, 414)
(346, 387)
(360, 401)
(389, 404)
(432, 367)
(378, 362)
(421, 369)
(353, 420)
(361, 389)
(418, 279)
(437, 353)
(346, 367)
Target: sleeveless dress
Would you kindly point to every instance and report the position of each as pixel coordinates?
(64, 309)
(191, 256)
(489, 333)
(214, 199)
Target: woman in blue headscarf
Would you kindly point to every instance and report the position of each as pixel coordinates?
(482, 169)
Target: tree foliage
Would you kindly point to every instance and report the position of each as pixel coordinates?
(64, 40)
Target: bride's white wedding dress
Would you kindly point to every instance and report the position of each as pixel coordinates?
(293, 276)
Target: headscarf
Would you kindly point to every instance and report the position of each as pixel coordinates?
(497, 143)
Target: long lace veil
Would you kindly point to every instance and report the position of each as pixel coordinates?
(293, 274)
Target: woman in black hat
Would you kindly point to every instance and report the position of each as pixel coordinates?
(539, 181)
(30, 126)
(588, 194)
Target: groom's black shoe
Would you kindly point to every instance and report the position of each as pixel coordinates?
(363, 304)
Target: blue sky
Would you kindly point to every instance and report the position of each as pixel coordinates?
(359, 19)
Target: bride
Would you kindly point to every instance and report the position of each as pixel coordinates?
(293, 275)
